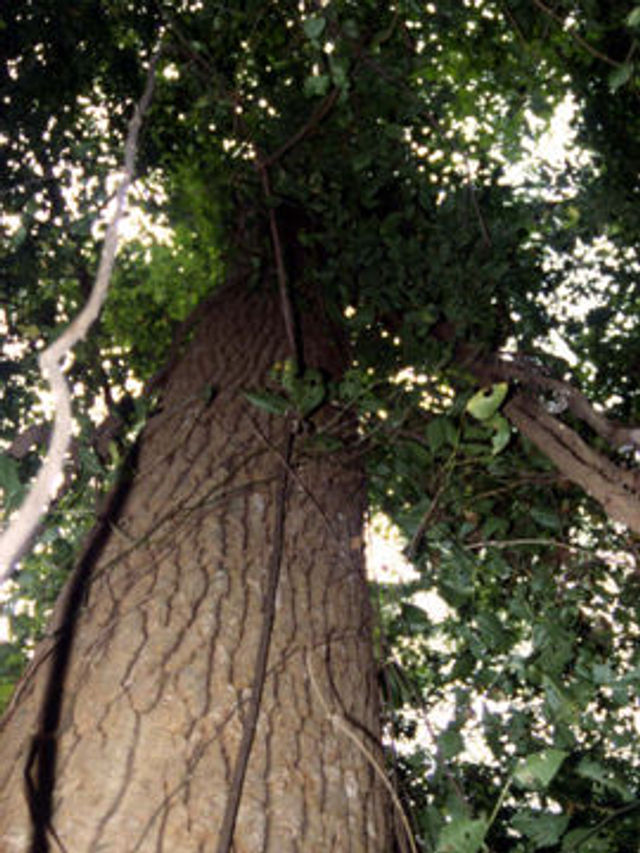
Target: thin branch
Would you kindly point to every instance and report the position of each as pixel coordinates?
(629, 807)
(421, 705)
(316, 117)
(433, 506)
(225, 839)
(575, 36)
(283, 287)
(263, 164)
(15, 540)
(424, 521)
(513, 543)
(341, 724)
(513, 22)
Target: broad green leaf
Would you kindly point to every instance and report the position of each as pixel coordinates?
(462, 836)
(536, 771)
(602, 673)
(583, 840)
(314, 27)
(286, 373)
(10, 483)
(560, 703)
(596, 772)
(323, 443)
(268, 402)
(633, 18)
(619, 76)
(317, 85)
(545, 517)
(437, 433)
(450, 743)
(502, 433)
(491, 630)
(307, 391)
(486, 402)
(414, 618)
(544, 830)
(339, 67)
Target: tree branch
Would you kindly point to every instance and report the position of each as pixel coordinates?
(615, 489)
(576, 36)
(16, 538)
(615, 434)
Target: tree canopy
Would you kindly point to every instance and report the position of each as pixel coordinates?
(390, 159)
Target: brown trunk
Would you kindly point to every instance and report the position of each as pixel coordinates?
(134, 743)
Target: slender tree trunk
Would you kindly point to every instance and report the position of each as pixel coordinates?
(129, 725)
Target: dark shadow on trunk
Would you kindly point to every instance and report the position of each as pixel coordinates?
(40, 769)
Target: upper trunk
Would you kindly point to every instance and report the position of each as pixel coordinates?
(130, 722)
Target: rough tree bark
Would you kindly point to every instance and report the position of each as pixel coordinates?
(125, 733)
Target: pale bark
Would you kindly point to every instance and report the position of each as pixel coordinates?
(152, 703)
(614, 486)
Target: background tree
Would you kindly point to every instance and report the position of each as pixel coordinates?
(354, 164)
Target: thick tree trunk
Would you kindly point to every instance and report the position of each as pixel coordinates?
(129, 726)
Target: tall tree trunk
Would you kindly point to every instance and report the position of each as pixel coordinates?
(129, 726)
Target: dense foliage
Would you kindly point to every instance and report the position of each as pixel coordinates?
(399, 147)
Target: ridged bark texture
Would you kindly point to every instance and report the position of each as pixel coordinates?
(140, 729)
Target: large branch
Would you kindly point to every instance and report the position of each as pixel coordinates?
(617, 490)
(614, 487)
(514, 368)
(16, 538)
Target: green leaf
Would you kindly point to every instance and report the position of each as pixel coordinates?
(450, 743)
(486, 402)
(268, 402)
(316, 85)
(596, 772)
(502, 433)
(462, 836)
(544, 830)
(414, 618)
(323, 443)
(339, 67)
(583, 840)
(307, 391)
(437, 433)
(10, 483)
(491, 630)
(545, 517)
(314, 27)
(633, 18)
(619, 76)
(536, 771)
